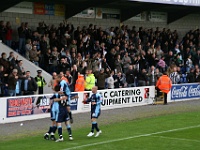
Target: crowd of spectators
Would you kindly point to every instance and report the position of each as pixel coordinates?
(118, 56)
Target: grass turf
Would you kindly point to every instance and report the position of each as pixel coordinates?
(124, 135)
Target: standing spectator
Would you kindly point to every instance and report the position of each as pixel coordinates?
(189, 64)
(34, 55)
(53, 82)
(28, 48)
(40, 82)
(126, 61)
(4, 62)
(89, 80)
(79, 86)
(12, 82)
(119, 80)
(48, 61)
(21, 73)
(12, 59)
(101, 77)
(22, 38)
(2, 31)
(161, 64)
(63, 65)
(152, 76)
(55, 58)
(74, 74)
(191, 76)
(70, 80)
(9, 32)
(164, 84)
(142, 78)
(29, 86)
(110, 81)
(159, 52)
(118, 64)
(130, 76)
(2, 81)
(174, 76)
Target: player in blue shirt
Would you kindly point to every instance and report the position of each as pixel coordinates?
(63, 113)
(95, 100)
(54, 115)
(66, 91)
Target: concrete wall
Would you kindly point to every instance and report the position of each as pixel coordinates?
(182, 25)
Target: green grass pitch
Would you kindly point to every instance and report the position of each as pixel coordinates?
(179, 131)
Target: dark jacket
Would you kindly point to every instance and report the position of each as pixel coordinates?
(130, 76)
(101, 77)
(191, 77)
(32, 85)
(12, 81)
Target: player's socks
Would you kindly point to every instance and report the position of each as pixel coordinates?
(69, 129)
(54, 129)
(93, 126)
(96, 127)
(59, 130)
(70, 116)
(50, 129)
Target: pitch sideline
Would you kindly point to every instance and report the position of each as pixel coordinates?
(132, 137)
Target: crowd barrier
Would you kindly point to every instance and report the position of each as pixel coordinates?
(21, 108)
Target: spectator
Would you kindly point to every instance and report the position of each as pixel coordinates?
(63, 66)
(90, 80)
(189, 64)
(53, 82)
(4, 62)
(2, 81)
(12, 82)
(110, 81)
(22, 38)
(2, 31)
(174, 76)
(191, 76)
(29, 85)
(126, 61)
(70, 80)
(79, 86)
(131, 75)
(34, 55)
(28, 48)
(101, 77)
(142, 78)
(9, 32)
(119, 80)
(161, 64)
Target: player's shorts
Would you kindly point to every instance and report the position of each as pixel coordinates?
(95, 114)
(62, 115)
(54, 115)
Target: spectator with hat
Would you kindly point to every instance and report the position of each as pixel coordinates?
(40, 81)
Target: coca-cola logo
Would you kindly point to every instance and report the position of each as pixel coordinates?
(194, 91)
(179, 92)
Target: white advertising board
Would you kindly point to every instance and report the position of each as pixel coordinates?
(21, 108)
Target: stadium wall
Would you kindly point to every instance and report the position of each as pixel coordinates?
(183, 25)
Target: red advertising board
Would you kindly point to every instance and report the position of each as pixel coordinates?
(39, 8)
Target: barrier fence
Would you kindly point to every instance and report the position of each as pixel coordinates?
(21, 108)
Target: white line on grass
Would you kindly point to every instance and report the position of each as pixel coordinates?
(180, 139)
(132, 137)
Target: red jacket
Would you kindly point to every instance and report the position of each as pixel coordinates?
(9, 34)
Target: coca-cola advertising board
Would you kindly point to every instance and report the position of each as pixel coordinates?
(185, 91)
